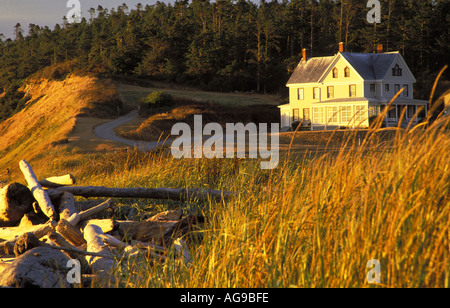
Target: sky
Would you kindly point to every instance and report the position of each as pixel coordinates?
(50, 12)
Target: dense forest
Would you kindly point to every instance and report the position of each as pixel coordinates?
(227, 45)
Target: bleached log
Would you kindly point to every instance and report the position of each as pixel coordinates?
(107, 224)
(39, 267)
(100, 266)
(67, 206)
(7, 234)
(15, 201)
(58, 181)
(39, 194)
(140, 192)
(77, 217)
(86, 205)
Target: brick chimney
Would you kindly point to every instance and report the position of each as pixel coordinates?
(306, 54)
(379, 48)
(341, 46)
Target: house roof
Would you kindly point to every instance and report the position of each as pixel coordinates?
(370, 66)
(311, 70)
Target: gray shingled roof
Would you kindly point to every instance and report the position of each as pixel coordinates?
(370, 66)
(311, 70)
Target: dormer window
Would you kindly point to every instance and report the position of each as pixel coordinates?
(397, 70)
(335, 73)
(347, 72)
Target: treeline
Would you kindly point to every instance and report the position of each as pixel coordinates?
(228, 45)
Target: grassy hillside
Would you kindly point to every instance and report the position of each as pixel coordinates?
(51, 114)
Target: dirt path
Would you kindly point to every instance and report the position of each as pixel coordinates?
(106, 131)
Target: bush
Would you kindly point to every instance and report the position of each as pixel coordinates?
(158, 99)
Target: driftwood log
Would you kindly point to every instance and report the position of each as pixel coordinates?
(38, 267)
(67, 206)
(75, 218)
(39, 194)
(42, 251)
(155, 229)
(7, 234)
(100, 266)
(71, 233)
(15, 200)
(177, 194)
(58, 181)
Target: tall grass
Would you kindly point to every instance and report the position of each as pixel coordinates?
(315, 221)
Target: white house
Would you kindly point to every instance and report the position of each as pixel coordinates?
(348, 89)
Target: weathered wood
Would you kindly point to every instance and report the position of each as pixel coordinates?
(15, 201)
(70, 233)
(39, 267)
(77, 217)
(100, 266)
(25, 242)
(140, 192)
(58, 181)
(107, 225)
(86, 205)
(146, 231)
(183, 251)
(67, 206)
(7, 234)
(7, 248)
(155, 229)
(39, 194)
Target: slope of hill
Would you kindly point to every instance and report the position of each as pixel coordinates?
(51, 114)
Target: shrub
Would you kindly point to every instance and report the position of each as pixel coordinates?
(158, 99)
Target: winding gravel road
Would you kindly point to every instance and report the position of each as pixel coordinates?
(106, 131)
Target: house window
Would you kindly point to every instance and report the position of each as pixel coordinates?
(346, 114)
(335, 73)
(372, 87)
(360, 114)
(330, 92)
(405, 90)
(316, 93)
(332, 115)
(386, 87)
(295, 115)
(352, 90)
(396, 88)
(306, 115)
(397, 70)
(318, 115)
(300, 93)
(374, 111)
(347, 72)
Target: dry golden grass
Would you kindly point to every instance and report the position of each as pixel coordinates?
(315, 221)
(50, 120)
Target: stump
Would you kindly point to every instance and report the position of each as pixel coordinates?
(15, 201)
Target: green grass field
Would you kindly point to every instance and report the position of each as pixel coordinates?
(132, 94)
